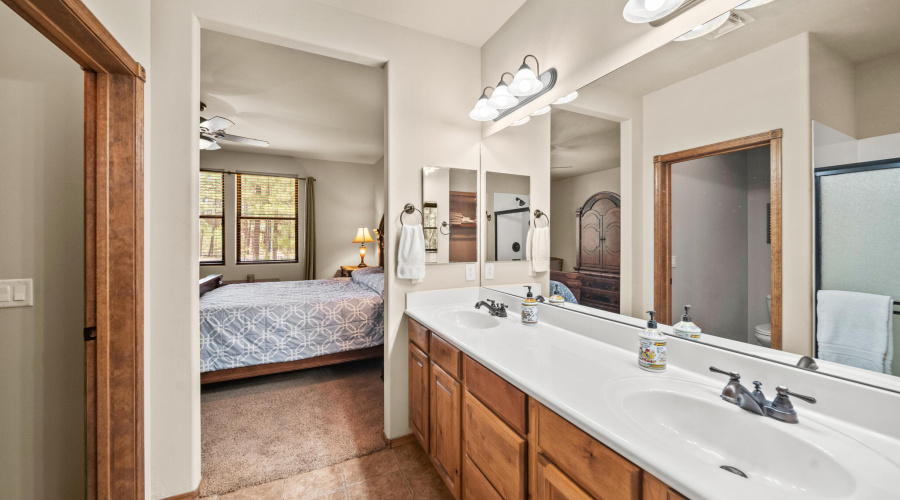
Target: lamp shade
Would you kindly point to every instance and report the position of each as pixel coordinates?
(647, 11)
(482, 112)
(362, 236)
(525, 82)
(567, 98)
(501, 98)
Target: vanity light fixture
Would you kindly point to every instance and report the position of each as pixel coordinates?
(569, 98)
(749, 4)
(482, 111)
(501, 98)
(646, 11)
(705, 28)
(522, 121)
(542, 111)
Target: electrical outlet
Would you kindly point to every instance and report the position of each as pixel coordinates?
(489, 271)
(470, 272)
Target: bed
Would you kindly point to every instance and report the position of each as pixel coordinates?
(252, 329)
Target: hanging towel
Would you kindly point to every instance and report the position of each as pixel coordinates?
(855, 329)
(537, 249)
(411, 255)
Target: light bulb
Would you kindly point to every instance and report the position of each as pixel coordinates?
(542, 111)
(525, 83)
(501, 98)
(482, 112)
(522, 121)
(568, 98)
(654, 5)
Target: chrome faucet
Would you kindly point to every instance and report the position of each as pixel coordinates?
(780, 408)
(494, 308)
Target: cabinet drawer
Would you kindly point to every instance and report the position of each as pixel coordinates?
(446, 356)
(503, 398)
(497, 450)
(596, 468)
(418, 334)
(475, 485)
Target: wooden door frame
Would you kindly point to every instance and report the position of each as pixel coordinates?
(662, 219)
(114, 241)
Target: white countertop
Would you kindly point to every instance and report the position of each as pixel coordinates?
(570, 362)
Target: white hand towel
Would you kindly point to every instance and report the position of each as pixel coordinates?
(855, 329)
(411, 254)
(528, 239)
(539, 242)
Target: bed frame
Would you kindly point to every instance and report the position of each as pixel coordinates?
(214, 281)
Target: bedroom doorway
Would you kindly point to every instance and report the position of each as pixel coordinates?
(291, 262)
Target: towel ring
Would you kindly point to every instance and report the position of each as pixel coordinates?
(538, 214)
(443, 225)
(409, 209)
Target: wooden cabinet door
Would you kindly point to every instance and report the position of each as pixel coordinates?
(446, 416)
(611, 238)
(418, 395)
(497, 450)
(552, 484)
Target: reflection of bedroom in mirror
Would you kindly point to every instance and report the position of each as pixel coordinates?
(291, 240)
(450, 214)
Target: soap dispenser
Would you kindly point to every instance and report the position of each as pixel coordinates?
(652, 351)
(529, 309)
(686, 328)
(556, 297)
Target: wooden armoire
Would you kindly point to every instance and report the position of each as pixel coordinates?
(599, 250)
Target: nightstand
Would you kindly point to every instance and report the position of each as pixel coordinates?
(346, 270)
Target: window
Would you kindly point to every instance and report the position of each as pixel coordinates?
(212, 217)
(267, 209)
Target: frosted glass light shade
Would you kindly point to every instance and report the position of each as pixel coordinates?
(705, 28)
(568, 98)
(525, 83)
(542, 111)
(482, 112)
(501, 98)
(522, 121)
(752, 3)
(647, 11)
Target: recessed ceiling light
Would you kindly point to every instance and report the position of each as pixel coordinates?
(523, 121)
(569, 98)
(752, 3)
(542, 111)
(705, 28)
(647, 11)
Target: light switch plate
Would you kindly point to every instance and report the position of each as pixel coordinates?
(489, 271)
(470, 272)
(20, 293)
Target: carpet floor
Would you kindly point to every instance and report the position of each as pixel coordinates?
(267, 428)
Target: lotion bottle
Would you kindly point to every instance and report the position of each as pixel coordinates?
(652, 350)
(529, 309)
(686, 328)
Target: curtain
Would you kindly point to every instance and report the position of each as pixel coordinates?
(309, 238)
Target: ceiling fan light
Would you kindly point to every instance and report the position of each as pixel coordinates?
(214, 146)
(522, 121)
(206, 142)
(525, 83)
(647, 11)
(569, 98)
(482, 112)
(749, 4)
(501, 98)
(705, 28)
(542, 111)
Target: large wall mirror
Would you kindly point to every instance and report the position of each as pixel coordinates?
(450, 214)
(748, 170)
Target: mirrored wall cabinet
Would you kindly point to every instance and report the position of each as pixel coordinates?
(450, 214)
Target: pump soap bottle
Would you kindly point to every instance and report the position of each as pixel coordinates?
(529, 309)
(652, 350)
(686, 328)
(556, 297)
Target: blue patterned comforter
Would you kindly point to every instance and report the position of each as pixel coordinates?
(259, 323)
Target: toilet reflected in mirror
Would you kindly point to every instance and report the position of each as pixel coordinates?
(763, 332)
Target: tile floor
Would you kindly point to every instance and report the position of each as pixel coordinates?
(402, 473)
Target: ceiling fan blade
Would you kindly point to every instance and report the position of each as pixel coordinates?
(243, 140)
(214, 146)
(216, 124)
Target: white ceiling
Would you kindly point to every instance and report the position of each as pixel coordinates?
(586, 143)
(305, 105)
(860, 30)
(471, 22)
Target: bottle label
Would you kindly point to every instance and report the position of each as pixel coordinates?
(652, 355)
(529, 315)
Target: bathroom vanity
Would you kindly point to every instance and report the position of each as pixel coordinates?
(561, 411)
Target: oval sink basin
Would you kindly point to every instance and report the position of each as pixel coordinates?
(806, 460)
(475, 320)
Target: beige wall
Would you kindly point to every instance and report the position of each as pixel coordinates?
(41, 216)
(567, 196)
(773, 85)
(832, 88)
(877, 105)
(342, 205)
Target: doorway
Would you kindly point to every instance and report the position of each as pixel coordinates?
(720, 220)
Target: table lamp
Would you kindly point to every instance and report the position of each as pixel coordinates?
(362, 236)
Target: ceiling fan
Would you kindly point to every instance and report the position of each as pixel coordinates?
(213, 129)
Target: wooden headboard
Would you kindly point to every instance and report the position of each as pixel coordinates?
(210, 283)
(381, 242)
